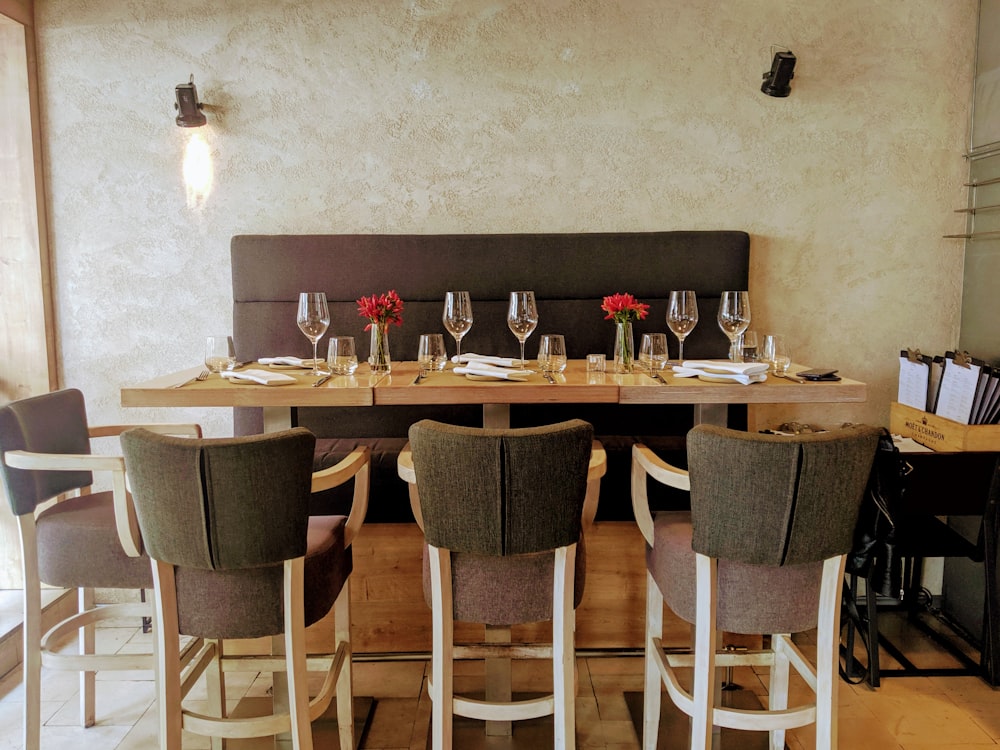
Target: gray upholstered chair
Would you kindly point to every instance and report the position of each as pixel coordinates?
(236, 555)
(85, 540)
(503, 513)
(761, 552)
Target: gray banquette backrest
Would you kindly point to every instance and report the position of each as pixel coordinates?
(569, 273)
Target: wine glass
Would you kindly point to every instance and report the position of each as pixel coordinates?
(313, 320)
(522, 317)
(457, 317)
(682, 316)
(734, 319)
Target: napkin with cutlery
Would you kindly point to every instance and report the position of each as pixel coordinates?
(722, 370)
(262, 377)
(476, 359)
(289, 363)
(478, 369)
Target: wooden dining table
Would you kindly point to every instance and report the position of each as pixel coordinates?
(399, 387)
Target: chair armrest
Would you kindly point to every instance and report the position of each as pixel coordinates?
(404, 467)
(113, 430)
(125, 519)
(645, 462)
(356, 465)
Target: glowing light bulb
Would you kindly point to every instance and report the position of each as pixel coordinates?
(197, 171)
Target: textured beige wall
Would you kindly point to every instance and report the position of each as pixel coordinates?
(506, 116)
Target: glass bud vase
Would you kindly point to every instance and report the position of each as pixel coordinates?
(624, 347)
(379, 358)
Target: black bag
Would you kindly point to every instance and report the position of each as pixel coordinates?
(875, 555)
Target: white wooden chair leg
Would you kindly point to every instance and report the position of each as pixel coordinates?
(827, 653)
(32, 635)
(777, 690)
(442, 667)
(704, 656)
(345, 681)
(166, 650)
(85, 601)
(215, 682)
(653, 683)
(295, 655)
(563, 649)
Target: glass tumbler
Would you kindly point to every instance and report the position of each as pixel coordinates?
(431, 355)
(341, 355)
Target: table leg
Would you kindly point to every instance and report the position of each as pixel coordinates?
(717, 414)
(496, 416)
(277, 418)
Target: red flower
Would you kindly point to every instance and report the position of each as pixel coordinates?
(624, 307)
(381, 309)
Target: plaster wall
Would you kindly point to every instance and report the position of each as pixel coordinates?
(508, 116)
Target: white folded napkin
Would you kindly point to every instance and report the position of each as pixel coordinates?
(263, 377)
(486, 359)
(486, 370)
(719, 377)
(289, 362)
(724, 366)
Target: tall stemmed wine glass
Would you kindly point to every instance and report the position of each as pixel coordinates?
(457, 317)
(682, 316)
(522, 317)
(734, 319)
(313, 320)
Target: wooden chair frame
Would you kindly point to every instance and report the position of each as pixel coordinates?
(41, 649)
(560, 704)
(288, 650)
(701, 704)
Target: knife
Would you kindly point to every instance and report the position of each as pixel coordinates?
(322, 380)
(420, 376)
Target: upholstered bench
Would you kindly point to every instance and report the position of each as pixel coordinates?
(569, 273)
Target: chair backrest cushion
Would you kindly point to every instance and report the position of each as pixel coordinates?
(777, 500)
(51, 423)
(501, 492)
(221, 504)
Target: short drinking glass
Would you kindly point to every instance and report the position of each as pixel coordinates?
(219, 353)
(775, 352)
(653, 352)
(431, 355)
(552, 353)
(341, 355)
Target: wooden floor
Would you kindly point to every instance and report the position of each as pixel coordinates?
(907, 713)
(390, 618)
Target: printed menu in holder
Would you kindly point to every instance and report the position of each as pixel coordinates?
(959, 383)
(914, 377)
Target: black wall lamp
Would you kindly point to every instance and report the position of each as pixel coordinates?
(189, 114)
(777, 79)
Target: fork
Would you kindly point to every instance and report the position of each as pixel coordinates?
(203, 375)
(548, 376)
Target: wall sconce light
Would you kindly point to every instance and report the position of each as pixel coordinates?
(189, 114)
(776, 80)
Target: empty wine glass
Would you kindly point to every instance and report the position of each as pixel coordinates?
(682, 316)
(522, 317)
(734, 319)
(313, 320)
(457, 317)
